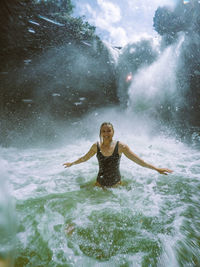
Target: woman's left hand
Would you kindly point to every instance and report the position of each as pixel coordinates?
(164, 171)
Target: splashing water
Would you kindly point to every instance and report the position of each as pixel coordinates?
(63, 220)
(155, 85)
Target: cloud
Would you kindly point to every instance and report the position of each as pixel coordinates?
(109, 12)
(118, 36)
(109, 15)
(106, 16)
(147, 6)
(120, 22)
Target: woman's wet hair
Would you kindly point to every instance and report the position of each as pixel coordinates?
(103, 124)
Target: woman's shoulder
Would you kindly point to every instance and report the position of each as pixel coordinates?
(121, 146)
(94, 146)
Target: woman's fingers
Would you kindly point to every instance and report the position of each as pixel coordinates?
(67, 164)
(165, 171)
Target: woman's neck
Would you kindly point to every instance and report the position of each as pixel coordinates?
(107, 142)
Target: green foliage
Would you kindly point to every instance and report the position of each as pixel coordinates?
(27, 28)
(54, 6)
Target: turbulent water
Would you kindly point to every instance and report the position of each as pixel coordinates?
(61, 219)
(51, 110)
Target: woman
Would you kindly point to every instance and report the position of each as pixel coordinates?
(108, 154)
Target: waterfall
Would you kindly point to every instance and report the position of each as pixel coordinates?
(155, 85)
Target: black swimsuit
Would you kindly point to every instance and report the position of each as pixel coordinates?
(109, 173)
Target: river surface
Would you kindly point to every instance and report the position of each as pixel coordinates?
(61, 219)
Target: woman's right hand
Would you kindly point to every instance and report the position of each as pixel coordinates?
(68, 164)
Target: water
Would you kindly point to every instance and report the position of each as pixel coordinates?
(151, 220)
(51, 216)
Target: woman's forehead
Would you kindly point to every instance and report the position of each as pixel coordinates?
(106, 127)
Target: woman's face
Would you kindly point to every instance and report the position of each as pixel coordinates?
(107, 132)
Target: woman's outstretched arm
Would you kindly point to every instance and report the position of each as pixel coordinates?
(132, 156)
(87, 156)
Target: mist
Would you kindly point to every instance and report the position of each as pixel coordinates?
(170, 23)
(65, 83)
(59, 81)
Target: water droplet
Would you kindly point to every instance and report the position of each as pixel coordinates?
(31, 30)
(55, 94)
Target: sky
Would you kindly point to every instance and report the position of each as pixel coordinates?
(121, 21)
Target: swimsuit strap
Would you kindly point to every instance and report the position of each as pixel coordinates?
(98, 147)
(116, 148)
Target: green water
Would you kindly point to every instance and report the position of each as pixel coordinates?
(151, 220)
